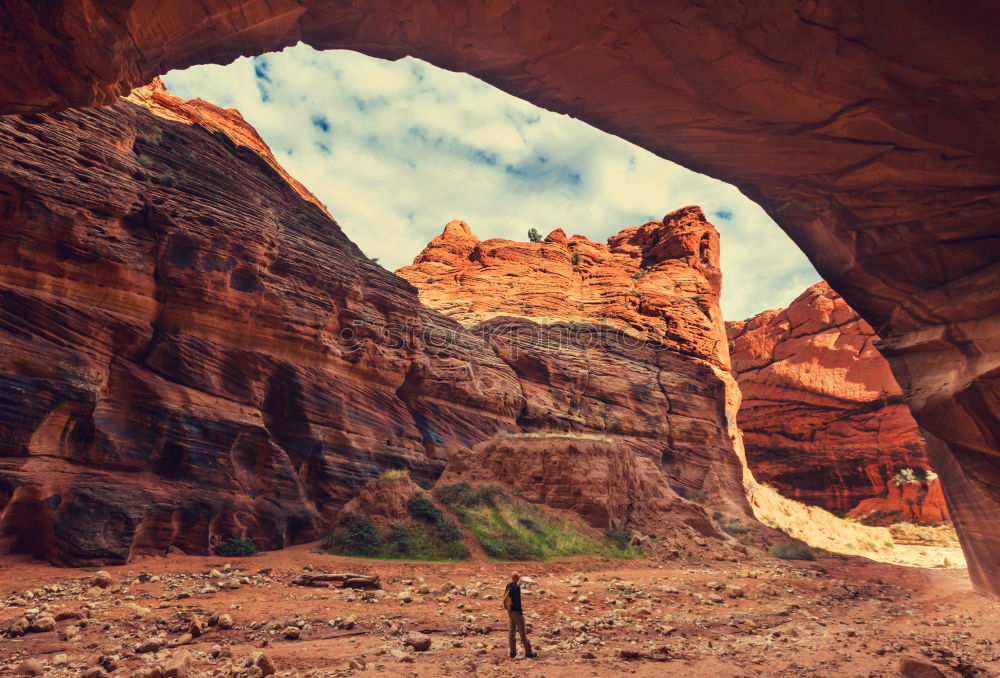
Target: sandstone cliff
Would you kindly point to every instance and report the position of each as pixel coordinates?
(622, 340)
(191, 349)
(823, 419)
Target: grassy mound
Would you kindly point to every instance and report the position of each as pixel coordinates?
(430, 535)
(510, 528)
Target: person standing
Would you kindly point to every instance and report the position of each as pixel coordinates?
(512, 603)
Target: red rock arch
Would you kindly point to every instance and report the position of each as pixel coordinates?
(867, 130)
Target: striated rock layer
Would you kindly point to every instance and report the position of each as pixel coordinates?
(823, 419)
(191, 349)
(866, 129)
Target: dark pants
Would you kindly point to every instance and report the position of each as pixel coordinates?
(517, 626)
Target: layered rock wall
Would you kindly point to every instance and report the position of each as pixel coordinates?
(823, 419)
(191, 349)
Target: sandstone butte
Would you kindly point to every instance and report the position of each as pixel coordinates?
(823, 419)
(191, 349)
(867, 131)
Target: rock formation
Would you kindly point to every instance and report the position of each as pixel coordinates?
(823, 419)
(865, 129)
(660, 281)
(623, 339)
(611, 483)
(192, 350)
(916, 501)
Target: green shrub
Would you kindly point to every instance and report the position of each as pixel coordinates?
(930, 475)
(904, 477)
(422, 508)
(234, 547)
(734, 527)
(360, 538)
(465, 496)
(620, 538)
(534, 235)
(792, 550)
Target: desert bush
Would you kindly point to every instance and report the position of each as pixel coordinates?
(792, 550)
(534, 235)
(395, 474)
(734, 526)
(619, 538)
(422, 508)
(360, 538)
(904, 477)
(463, 495)
(234, 547)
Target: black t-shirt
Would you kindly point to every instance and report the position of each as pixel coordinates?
(515, 597)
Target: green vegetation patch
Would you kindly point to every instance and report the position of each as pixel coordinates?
(791, 550)
(234, 547)
(511, 528)
(431, 535)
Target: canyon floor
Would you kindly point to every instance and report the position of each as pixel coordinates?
(836, 616)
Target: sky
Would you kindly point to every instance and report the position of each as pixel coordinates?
(397, 149)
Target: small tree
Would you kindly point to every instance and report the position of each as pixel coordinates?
(904, 477)
(534, 235)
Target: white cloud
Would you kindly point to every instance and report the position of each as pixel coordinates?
(397, 149)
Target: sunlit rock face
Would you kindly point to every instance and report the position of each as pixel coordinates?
(866, 129)
(623, 339)
(823, 419)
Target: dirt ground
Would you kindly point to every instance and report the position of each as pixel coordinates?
(761, 617)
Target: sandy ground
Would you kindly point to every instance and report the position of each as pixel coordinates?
(761, 617)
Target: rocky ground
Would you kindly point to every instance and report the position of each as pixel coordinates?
(194, 615)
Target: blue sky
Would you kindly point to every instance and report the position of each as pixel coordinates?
(397, 149)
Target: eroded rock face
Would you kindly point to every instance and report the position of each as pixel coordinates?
(865, 129)
(622, 340)
(918, 501)
(611, 483)
(192, 350)
(823, 419)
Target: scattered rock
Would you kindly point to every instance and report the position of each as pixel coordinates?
(420, 642)
(102, 580)
(911, 667)
(400, 656)
(177, 666)
(262, 662)
(149, 645)
(30, 667)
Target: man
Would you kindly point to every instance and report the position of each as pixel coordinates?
(512, 603)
